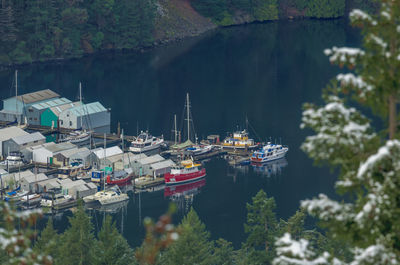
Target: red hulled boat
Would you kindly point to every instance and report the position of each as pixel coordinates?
(184, 188)
(117, 179)
(188, 171)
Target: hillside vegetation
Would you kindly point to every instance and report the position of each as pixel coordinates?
(44, 30)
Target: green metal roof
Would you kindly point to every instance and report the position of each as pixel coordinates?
(51, 103)
(87, 109)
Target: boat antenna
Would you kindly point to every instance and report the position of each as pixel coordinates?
(137, 128)
(247, 123)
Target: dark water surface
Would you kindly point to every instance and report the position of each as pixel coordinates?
(265, 71)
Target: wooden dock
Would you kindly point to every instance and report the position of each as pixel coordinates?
(149, 183)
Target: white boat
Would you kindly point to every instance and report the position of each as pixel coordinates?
(31, 198)
(76, 137)
(59, 199)
(269, 152)
(14, 159)
(145, 142)
(106, 197)
(15, 196)
(113, 196)
(199, 150)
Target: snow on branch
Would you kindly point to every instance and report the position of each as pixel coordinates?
(344, 54)
(357, 82)
(327, 209)
(341, 131)
(384, 154)
(360, 16)
(293, 252)
(375, 254)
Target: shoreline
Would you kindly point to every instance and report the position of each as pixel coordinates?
(156, 43)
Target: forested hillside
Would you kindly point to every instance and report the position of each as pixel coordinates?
(56, 29)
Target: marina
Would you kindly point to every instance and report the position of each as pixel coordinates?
(256, 84)
(90, 163)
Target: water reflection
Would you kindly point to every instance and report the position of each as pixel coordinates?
(271, 168)
(183, 194)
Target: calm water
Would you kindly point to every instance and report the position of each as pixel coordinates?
(265, 71)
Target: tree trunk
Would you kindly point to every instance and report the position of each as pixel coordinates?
(392, 116)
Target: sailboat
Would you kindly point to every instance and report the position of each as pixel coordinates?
(78, 136)
(188, 148)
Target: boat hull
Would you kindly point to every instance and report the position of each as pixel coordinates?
(184, 188)
(267, 159)
(172, 179)
(138, 150)
(121, 181)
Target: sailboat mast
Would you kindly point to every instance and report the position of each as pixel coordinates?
(16, 93)
(123, 152)
(175, 131)
(188, 114)
(104, 178)
(80, 100)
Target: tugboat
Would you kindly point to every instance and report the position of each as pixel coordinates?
(239, 140)
(186, 172)
(269, 152)
(145, 142)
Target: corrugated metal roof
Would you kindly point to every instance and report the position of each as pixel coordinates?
(128, 157)
(56, 148)
(10, 132)
(37, 96)
(111, 151)
(151, 159)
(60, 108)
(51, 103)
(162, 164)
(70, 152)
(35, 178)
(87, 109)
(23, 139)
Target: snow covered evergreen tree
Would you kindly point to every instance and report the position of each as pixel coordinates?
(369, 163)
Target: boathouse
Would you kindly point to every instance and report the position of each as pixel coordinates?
(78, 189)
(99, 157)
(92, 116)
(15, 108)
(23, 141)
(34, 112)
(70, 156)
(124, 161)
(139, 165)
(44, 153)
(8, 133)
(159, 168)
(49, 117)
(29, 182)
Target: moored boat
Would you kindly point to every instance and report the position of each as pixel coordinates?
(269, 152)
(14, 159)
(145, 142)
(239, 140)
(77, 137)
(186, 172)
(59, 200)
(119, 178)
(199, 150)
(185, 188)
